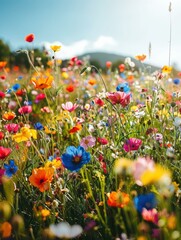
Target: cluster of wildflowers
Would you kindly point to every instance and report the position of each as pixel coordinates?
(89, 155)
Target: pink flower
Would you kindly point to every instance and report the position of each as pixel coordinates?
(45, 110)
(150, 215)
(88, 141)
(132, 144)
(12, 105)
(69, 106)
(12, 127)
(139, 166)
(25, 109)
(120, 98)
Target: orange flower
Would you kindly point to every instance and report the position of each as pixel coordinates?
(140, 57)
(92, 82)
(48, 131)
(70, 88)
(41, 178)
(3, 64)
(42, 81)
(118, 199)
(5, 229)
(9, 115)
(75, 129)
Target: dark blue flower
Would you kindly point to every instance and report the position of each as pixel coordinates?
(10, 169)
(176, 81)
(15, 87)
(74, 158)
(123, 87)
(147, 201)
(20, 77)
(38, 126)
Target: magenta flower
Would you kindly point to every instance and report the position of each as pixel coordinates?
(39, 97)
(25, 109)
(119, 98)
(69, 106)
(12, 127)
(140, 166)
(132, 144)
(88, 141)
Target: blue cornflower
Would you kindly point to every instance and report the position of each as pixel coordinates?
(15, 87)
(74, 158)
(10, 169)
(147, 201)
(176, 81)
(38, 126)
(123, 75)
(20, 77)
(123, 87)
(27, 103)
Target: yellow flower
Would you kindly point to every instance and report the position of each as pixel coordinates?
(25, 135)
(156, 175)
(55, 48)
(54, 163)
(65, 75)
(45, 213)
(166, 69)
(122, 165)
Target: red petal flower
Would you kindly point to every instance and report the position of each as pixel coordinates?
(4, 152)
(30, 37)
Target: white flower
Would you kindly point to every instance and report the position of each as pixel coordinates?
(64, 230)
(177, 122)
(170, 152)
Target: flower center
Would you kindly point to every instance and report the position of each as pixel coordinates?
(41, 180)
(77, 159)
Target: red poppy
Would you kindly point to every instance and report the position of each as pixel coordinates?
(15, 68)
(30, 37)
(99, 102)
(4, 152)
(3, 77)
(75, 129)
(108, 64)
(102, 141)
(70, 88)
(1, 135)
(2, 95)
(20, 92)
(121, 67)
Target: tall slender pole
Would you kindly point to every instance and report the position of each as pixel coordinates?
(170, 38)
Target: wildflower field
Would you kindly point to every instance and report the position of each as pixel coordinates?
(89, 154)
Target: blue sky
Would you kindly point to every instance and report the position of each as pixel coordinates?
(120, 26)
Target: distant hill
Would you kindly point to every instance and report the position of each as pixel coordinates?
(103, 57)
